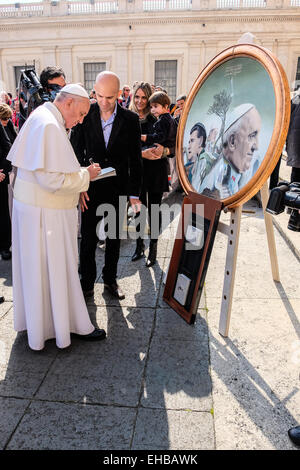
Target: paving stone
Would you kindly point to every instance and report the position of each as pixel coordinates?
(57, 426)
(21, 369)
(109, 371)
(11, 411)
(170, 326)
(173, 430)
(177, 375)
(113, 376)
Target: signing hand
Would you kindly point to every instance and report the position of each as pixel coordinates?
(94, 170)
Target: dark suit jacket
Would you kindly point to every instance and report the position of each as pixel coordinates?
(7, 137)
(123, 151)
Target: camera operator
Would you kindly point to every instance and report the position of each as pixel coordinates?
(52, 78)
(34, 91)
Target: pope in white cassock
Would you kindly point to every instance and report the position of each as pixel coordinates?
(48, 300)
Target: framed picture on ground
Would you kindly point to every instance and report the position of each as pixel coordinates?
(234, 125)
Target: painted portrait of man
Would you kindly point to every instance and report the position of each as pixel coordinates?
(228, 128)
(240, 142)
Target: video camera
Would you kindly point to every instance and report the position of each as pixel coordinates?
(286, 195)
(32, 94)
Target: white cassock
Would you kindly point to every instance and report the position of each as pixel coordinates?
(47, 295)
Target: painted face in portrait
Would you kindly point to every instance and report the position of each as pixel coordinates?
(194, 146)
(244, 141)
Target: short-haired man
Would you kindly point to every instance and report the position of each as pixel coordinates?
(180, 100)
(125, 98)
(240, 141)
(52, 76)
(48, 300)
(111, 136)
(199, 162)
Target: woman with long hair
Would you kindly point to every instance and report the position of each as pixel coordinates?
(155, 171)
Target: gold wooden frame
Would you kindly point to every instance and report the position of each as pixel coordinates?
(281, 122)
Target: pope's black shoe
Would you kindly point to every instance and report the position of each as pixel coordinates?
(294, 435)
(96, 335)
(2, 299)
(115, 290)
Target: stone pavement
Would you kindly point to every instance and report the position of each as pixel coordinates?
(156, 382)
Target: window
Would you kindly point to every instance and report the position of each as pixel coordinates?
(18, 69)
(165, 75)
(297, 82)
(91, 71)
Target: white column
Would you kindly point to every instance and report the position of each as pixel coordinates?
(121, 63)
(64, 60)
(194, 65)
(210, 51)
(138, 62)
(48, 57)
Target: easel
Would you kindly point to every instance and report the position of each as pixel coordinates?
(233, 232)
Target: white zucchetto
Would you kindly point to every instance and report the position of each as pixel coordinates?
(75, 89)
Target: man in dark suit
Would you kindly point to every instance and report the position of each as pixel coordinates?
(111, 136)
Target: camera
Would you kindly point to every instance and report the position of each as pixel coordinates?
(286, 195)
(32, 93)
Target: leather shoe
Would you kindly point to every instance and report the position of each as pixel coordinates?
(6, 254)
(139, 251)
(294, 435)
(115, 290)
(96, 335)
(2, 299)
(152, 254)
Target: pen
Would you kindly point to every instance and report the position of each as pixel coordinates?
(91, 161)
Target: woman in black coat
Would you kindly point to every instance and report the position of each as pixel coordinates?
(7, 137)
(155, 171)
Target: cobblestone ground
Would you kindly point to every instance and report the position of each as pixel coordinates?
(156, 382)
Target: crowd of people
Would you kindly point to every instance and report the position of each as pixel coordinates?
(129, 129)
(12, 120)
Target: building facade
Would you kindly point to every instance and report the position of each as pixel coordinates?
(166, 42)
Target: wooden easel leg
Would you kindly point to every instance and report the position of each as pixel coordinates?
(230, 268)
(270, 233)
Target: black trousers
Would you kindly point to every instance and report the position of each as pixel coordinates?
(149, 199)
(5, 223)
(295, 175)
(89, 239)
(274, 178)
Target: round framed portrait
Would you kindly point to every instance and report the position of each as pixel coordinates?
(234, 125)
